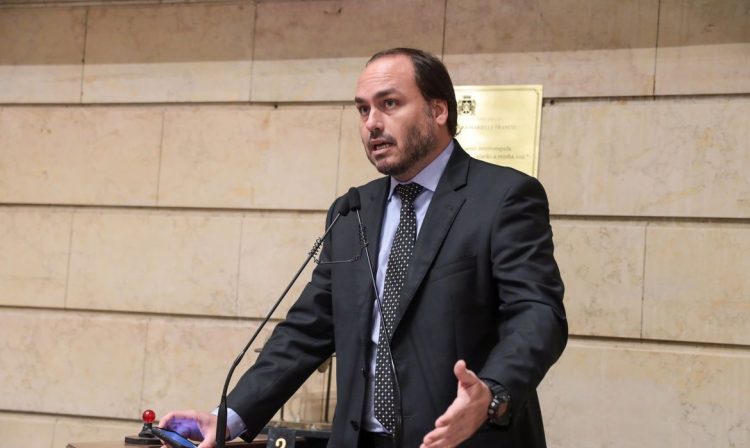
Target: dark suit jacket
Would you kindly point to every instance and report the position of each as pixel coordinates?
(482, 286)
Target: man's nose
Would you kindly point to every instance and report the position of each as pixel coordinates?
(374, 122)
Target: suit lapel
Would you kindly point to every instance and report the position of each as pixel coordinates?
(445, 204)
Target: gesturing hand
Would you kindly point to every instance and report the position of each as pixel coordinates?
(465, 415)
(193, 425)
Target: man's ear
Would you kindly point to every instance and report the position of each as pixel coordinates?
(439, 110)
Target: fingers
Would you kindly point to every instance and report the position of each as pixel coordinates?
(435, 438)
(465, 415)
(207, 444)
(191, 424)
(165, 421)
(448, 416)
(466, 377)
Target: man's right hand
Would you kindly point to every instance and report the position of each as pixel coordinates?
(193, 425)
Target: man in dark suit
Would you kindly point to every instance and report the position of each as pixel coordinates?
(470, 292)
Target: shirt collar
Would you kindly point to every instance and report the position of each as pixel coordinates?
(430, 175)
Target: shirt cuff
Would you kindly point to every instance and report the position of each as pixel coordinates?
(235, 425)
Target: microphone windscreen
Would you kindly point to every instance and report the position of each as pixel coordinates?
(354, 203)
(343, 207)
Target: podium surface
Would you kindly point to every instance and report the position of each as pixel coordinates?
(258, 443)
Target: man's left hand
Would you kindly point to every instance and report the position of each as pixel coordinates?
(465, 415)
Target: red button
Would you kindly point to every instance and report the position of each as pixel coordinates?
(149, 416)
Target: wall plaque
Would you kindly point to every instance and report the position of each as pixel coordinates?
(501, 124)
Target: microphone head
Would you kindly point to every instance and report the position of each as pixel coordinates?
(354, 203)
(343, 207)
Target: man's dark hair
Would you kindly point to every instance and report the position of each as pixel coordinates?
(432, 78)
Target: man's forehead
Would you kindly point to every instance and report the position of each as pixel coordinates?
(392, 72)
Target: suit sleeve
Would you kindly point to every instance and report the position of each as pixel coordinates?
(533, 329)
(297, 346)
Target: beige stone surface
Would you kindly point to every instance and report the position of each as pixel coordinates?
(314, 51)
(704, 47)
(27, 431)
(334, 394)
(602, 266)
(69, 430)
(71, 363)
(646, 395)
(181, 366)
(574, 48)
(671, 157)
(36, 243)
(187, 361)
(169, 52)
(41, 53)
(697, 287)
(79, 155)
(250, 157)
(273, 249)
(180, 262)
(354, 167)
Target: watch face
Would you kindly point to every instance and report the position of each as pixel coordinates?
(500, 417)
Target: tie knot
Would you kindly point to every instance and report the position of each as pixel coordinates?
(409, 192)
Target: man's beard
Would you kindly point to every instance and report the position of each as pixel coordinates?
(416, 146)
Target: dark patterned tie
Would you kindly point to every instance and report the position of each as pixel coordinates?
(395, 276)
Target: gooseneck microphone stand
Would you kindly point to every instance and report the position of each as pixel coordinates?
(221, 424)
(354, 204)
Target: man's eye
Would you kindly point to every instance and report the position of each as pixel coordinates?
(389, 103)
(363, 110)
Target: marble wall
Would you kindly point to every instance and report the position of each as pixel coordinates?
(141, 143)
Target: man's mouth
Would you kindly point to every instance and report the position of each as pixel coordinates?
(380, 145)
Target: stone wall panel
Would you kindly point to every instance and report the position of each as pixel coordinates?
(181, 263)
(250, 157)
(697, 287)
(601, 264)
(704, 47)
(646, 395)
(41, 54)
(575, 48)
(677, 157)
(79, 155)
(273, 248)
(71, 363)
(314, 51)
(27, 431)
(169, 53)
(36, 245)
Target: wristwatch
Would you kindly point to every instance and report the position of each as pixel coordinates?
(498, 397)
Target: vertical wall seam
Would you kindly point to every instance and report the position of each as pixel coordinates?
(239, 268)
(445, 21)
(83, 56)
(70, 255)
(252, 52)
(338, 154)
(143, 364)
(54, 432)
(643, 274)
(656, 46)
(161, 152)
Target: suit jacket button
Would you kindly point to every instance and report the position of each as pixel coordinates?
(355, 425)
(364, 372)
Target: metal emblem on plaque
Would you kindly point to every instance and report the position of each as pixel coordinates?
(501, 124)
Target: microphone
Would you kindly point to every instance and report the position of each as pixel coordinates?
(353, 199)
(354, 203)
(342, 209)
